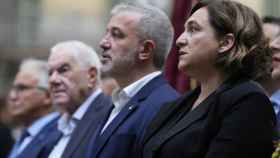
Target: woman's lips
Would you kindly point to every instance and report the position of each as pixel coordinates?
(182, 52)
(276, 59)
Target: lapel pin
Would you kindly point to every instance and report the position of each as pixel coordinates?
(130, 107)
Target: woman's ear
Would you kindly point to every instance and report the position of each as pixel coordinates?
(92, 77)
(226, 43)
(147, 49)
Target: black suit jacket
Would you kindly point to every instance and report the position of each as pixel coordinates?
(79, 141)
(6, 141)
(236, 121)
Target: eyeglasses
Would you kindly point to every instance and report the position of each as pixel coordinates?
(22, 87)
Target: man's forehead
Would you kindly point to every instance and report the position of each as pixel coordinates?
(25, 77)
(61, 57)
(125, 17)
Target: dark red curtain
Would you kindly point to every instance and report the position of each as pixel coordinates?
(176, 78)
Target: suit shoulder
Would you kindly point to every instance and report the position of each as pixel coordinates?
(158, 97)
(101, 101)
(245, 92)
(166, 89)
(51, 125)
(244, 89)
(104, 97)
(164, 93)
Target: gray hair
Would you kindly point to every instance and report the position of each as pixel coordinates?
(155, 25)
(38, 68)
(85, 55)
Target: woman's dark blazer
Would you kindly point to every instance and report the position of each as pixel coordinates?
(235, 121)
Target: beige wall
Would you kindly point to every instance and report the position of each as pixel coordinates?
(264, 7)
(257, 5)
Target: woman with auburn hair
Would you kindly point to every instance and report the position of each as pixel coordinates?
(228, 116)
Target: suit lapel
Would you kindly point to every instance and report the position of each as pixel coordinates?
(165, 113)
(188, 120)
(39, 143)
(95, 111)
(128, 109)
(49, 145)
(34, 148)
(112, 127)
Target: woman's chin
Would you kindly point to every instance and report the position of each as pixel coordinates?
(182, 67)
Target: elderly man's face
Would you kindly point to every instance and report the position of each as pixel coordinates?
(26, 100)
(272, 32)
(275, 46)
(68, 81)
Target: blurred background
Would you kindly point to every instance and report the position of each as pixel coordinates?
(28, 28)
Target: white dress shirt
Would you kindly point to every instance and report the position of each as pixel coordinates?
(121, 96)
(33, 130)
(67, 124)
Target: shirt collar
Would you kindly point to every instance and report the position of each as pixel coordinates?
(80, 112)
(121, 96)
(36, 127)
(133, 88)
(66, 124)
(275, 99)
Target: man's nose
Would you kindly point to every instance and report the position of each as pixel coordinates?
(105, 43)
(13, 95)
(54, 78)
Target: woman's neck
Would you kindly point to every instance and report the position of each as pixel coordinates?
(208, 86)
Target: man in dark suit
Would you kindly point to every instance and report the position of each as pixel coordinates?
(74, 85)
(271, 29)
(29, 106)
(134, 47)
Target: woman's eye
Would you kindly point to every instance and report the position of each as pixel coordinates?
(193, 29)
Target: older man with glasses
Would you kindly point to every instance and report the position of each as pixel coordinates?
(30, 107)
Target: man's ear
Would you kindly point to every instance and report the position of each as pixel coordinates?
(92, 77)
(147, 49)
(47, 100)
(226, 43)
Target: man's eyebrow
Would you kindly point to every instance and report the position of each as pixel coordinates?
(58, 67)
